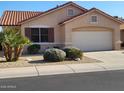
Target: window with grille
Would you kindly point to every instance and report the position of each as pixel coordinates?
(40, 34)
(94, 19)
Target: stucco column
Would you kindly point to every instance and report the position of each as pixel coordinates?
(117, 41)
(68, 37)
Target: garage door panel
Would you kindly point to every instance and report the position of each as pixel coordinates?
(92, 40)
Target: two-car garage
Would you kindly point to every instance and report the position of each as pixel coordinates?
(92, 40)
(93, 31)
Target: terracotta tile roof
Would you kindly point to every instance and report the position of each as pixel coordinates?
(12, 18)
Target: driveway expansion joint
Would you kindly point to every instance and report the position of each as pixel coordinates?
(37, 70)
(70, 68)
(102, 66)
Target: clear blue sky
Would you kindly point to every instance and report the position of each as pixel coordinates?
(112, 7)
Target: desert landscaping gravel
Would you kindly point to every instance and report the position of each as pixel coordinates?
(35, 60)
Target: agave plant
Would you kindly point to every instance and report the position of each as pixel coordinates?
(12, 43)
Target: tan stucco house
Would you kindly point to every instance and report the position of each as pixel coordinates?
(122, 35)
(67, 25)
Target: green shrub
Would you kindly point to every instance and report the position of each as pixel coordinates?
(73, 53)
(56, 47)
(54, 55)
(33, 49)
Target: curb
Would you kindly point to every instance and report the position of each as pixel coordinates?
(55, 70)
(18, 72)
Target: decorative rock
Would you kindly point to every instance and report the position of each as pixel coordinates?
(28, 59)
(3, 59)
(77, 59)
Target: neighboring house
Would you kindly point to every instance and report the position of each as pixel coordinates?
(0, 47)
(122, 35)
(67, 25)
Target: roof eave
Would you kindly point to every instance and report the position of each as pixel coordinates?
(9, 25)
(82, 8)
(119, 21)
(53, 11)
(93, 9)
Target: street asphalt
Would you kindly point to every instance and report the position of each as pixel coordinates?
(92, 81)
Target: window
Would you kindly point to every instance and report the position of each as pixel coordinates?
(44, 34)
(70, 12)
(35, 34)
(94, 19)
(40, 34)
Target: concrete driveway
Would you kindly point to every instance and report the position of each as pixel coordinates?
(107, 56)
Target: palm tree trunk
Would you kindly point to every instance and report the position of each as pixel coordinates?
(10, 53)
(5, 49)
(17, 52)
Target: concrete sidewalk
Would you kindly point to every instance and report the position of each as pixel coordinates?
(58, 69)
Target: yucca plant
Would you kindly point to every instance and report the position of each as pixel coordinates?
(12, 43)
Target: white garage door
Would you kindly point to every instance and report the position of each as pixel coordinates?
(92, 40)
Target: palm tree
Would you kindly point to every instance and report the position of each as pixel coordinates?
(12, 43)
